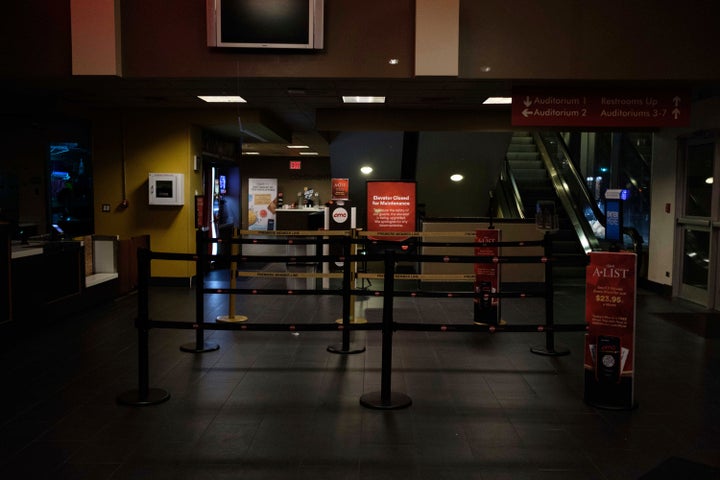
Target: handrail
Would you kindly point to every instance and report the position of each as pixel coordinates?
(566, 195)
(587, 238)
(512, 201)
(517, 199)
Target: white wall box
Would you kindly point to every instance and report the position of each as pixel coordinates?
(166, 189)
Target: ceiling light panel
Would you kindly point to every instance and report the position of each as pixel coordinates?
(222, 98)
(362, 99)
(498, 101)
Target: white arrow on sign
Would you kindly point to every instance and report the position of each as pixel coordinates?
(676, 113)
(527, 101)
(676, 100)
(526, 112)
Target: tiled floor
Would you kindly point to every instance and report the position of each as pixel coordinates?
(278, 405)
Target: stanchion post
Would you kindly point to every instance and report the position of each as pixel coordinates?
(200, 345)
(549, 348)
(231, 317)
(347, 303)
(386, 399)
(144, 395)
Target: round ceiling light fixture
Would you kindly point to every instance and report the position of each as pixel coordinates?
(456, 177)
(366, 170)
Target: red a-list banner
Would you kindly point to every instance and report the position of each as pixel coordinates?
(487, 275)
(391, 208)
(610, 294)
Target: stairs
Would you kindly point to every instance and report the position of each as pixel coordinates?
(534, 185)
(529, 172)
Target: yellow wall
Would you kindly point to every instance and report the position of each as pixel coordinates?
(147, 141)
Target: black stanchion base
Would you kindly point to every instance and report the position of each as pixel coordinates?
(556, 352)
(396, 401)
(351, 349)
(616, 408)
(193, 348)
(133, 399)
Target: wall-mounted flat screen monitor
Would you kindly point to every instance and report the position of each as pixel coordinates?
(291, 24)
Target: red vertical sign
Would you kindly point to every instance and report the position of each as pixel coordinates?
(610, 304)
(487, 276)
(200, 211)
(340, 189)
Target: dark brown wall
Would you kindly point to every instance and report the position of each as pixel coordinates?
(162, 38)
(590, 39)
(519, 39)
(35, 36)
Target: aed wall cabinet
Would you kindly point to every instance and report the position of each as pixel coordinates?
(166, 189)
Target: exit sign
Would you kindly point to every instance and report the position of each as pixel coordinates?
(295, 164)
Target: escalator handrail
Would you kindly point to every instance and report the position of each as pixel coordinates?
(631, 232)
(585, 235)
(515, 191)
(582, 190)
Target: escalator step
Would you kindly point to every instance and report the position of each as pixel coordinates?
(522, 155)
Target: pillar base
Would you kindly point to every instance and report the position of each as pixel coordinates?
(556, 352)
(233, 319)
(396, 401)
(352, 348)
(153, 397)
(354, 320)
(193, 347)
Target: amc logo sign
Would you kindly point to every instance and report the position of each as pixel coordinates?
(340, 215)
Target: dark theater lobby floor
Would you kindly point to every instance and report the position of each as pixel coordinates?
(278, 405)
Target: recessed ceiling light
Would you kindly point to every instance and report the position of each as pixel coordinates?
(498, 101)
(308, 153)
(456, 177)
(366, 169)
(298, 146)
(362, 99)
(709, 180)
(222, 98)
(393, 61)
(251, 153)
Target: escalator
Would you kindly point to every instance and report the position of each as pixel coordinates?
(538, 168)
(539, 181)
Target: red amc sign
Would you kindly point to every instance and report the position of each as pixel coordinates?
(597, 108)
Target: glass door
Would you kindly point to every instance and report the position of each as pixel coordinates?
(698, 225)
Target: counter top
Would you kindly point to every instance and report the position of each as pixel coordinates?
(20, 250)
(303, 209)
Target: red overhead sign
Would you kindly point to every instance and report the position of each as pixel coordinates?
(596, 108)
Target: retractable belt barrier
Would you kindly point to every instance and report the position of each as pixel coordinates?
(385, 398)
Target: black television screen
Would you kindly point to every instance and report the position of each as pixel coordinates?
(265, 23)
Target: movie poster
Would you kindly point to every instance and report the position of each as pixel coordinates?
(340, 189)
(262, 203)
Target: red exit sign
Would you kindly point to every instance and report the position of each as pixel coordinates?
(295, 165)
(600, 108)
